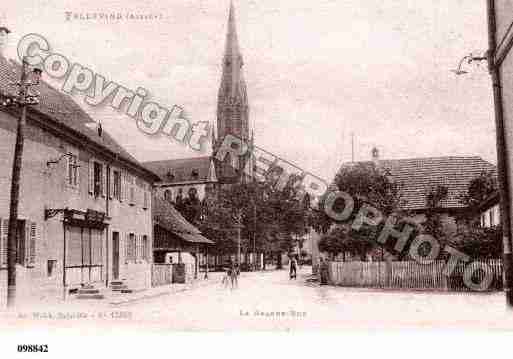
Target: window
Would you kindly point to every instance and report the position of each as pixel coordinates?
(492, 217)
(116, 178)
(131, 189)
(168, 196)
(25, 242)
(131, 248)
(195, 174)
(145, 248)
(72, 170)
(50, 267)
(145, 197)
(97, 179)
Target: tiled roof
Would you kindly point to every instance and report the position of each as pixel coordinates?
(62, 109)
(416, 175)
(170, 219)
(181, 170)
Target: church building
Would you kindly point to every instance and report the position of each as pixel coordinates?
(198, 176)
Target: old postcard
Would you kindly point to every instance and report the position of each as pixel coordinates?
(231, 165)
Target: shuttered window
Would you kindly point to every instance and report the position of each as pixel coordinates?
(73, 170)
(146, 195)
(74, 247)
(86, 246)
(26, 233)
(4, 229)
(145, 246)
(131, 247)
(91, 176)
(116, 184)
(96, 247)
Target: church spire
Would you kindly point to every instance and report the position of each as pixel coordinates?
(232, 100)
(232, 83)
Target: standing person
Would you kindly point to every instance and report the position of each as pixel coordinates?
(293, 268)
(324, 271)
(227, 274)
(234, 273)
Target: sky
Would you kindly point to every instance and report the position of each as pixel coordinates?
(316, 71)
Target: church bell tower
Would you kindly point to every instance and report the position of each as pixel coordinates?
(232, 105)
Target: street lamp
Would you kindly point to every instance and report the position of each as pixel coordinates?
(469, 59)
(22, 99)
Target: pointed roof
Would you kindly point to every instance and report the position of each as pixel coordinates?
(232, 42)
(232, 82)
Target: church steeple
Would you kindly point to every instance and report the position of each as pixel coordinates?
(232, 100)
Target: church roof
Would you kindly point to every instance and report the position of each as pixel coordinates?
(185, 170)
(417, 175)
(62, 110)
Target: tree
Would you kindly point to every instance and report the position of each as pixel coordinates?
(433, 224)
(367, 184)
(480, 243)
(272, 217)
(479, 189)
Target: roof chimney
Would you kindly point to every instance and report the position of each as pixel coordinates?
(375, 155)
(4, 37)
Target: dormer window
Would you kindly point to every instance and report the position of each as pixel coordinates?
(195, 174)
(170, 176)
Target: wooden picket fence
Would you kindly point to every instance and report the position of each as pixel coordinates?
(161, 274)
(414, 276)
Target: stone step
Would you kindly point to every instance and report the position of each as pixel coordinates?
(88, 291)
(90, 296)
(119, 289)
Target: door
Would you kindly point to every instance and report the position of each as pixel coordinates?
(115, 255)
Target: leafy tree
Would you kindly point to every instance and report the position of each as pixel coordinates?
(433, 224)
(271, 217)
(367, 184)
(480, 243)
(479, 189)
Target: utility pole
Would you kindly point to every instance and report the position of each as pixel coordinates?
(502, 156)
(352, 147)
(22, 100)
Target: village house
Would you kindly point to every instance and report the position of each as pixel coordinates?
(416, 176)
(489, 211)
(85, 203)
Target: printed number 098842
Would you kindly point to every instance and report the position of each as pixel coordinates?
(32, 348)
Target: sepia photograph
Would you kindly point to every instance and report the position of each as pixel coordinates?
(187, 168)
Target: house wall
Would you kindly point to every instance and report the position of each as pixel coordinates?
(490, 217)
(45, 186)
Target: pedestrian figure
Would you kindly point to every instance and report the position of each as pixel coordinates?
(323, 268)
(293, 268)
(227, 275)
(234, 273)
